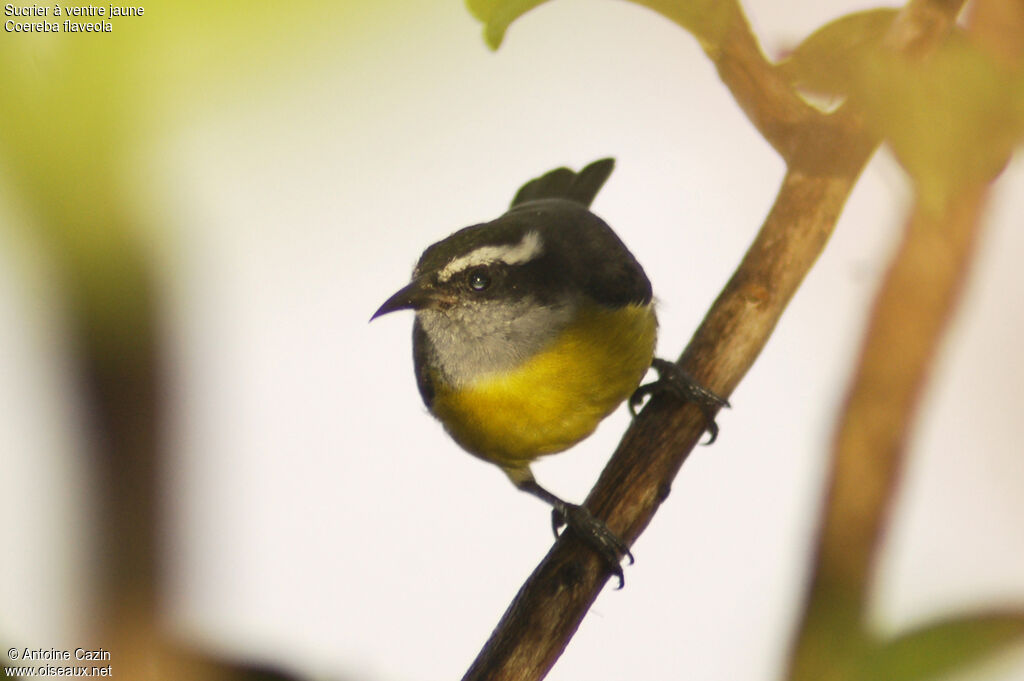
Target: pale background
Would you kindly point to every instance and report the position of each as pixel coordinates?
(321, 520)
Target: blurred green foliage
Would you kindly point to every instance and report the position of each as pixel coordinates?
(951, 119)
(943, 648)
(80, 111)
(79, 117)
(708, 20)
(496, 16)
(824, 63)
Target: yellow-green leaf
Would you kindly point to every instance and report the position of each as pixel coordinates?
(828, 60)
(951, 118)
(496, 15)
(707, 20)
(945, 647)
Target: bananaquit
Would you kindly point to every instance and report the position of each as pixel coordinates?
(532, 328)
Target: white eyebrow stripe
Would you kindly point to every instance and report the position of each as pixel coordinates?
(528, 248)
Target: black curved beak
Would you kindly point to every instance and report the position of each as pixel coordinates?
(414, 296)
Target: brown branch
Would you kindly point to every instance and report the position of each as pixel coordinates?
(901, 342)
(916, 302)
(552, 603)
(823, 168)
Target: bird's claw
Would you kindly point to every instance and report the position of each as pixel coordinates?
(595, 534)
(674, 380)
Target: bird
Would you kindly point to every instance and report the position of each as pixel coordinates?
(531, 328)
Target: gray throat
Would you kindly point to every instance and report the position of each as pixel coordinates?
(470, 341)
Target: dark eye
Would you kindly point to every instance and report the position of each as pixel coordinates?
(479, 279)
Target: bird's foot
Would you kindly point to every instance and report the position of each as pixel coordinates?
(594, 534)
(674, 381)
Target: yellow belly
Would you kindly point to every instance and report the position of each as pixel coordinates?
(557, 398)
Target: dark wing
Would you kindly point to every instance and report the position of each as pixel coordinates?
(585, 255)
(562, 183)
(603, 266)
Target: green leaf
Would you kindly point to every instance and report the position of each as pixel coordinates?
(951, 119)
(827, 61)
(496, 15)
(945, 647)
(707, 20)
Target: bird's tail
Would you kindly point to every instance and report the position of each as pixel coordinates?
(562, 183)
